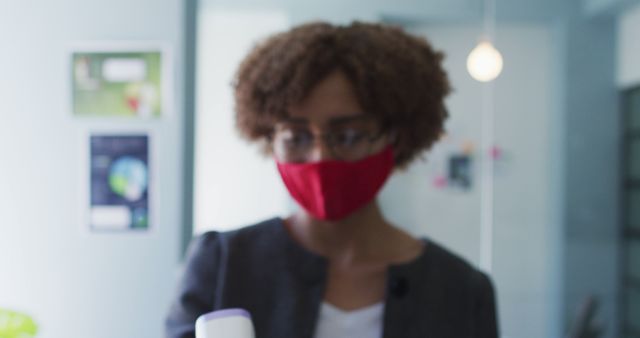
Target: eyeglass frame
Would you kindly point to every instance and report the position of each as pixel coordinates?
(326, 138)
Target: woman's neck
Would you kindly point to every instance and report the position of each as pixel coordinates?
(361, 236)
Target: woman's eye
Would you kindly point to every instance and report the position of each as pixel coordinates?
(297, 138)
(348, 137)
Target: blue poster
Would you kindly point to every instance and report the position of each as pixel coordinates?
(119, 182)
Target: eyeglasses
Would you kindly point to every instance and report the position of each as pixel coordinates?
(292, 143)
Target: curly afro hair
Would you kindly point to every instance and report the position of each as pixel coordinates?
(398, 79)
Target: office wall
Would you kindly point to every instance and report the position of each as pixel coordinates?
(525, 251)
(628, 47)
(236, 186)
(77, 284)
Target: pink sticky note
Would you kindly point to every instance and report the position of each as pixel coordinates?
(496, 152)
(440, 182)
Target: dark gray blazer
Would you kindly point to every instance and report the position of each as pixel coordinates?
(261, 269)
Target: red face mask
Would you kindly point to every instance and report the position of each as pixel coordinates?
(331, 190)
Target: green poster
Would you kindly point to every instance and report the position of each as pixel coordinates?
(118, 84)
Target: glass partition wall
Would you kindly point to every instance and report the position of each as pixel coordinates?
(631, 215)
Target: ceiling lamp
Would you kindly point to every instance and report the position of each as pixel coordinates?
(484, 63)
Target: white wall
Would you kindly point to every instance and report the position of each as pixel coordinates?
(234, 186)
(628, 53)
(525, 256)
(77, 284)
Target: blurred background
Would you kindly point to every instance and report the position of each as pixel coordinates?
(564, 245)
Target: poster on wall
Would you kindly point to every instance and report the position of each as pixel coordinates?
(119, 182)
(451, 164)
(120, 80)
(460, 173)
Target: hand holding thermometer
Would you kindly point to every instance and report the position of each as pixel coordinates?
(230, 323)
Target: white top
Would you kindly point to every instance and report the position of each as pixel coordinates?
(362, 323)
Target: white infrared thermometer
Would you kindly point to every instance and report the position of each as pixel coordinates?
(230, 323)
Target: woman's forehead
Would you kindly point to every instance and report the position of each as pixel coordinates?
(355, 118)
(333, 98)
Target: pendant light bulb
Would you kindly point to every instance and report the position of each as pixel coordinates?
(484, 62)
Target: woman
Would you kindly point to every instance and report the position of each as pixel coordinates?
(339, 108)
